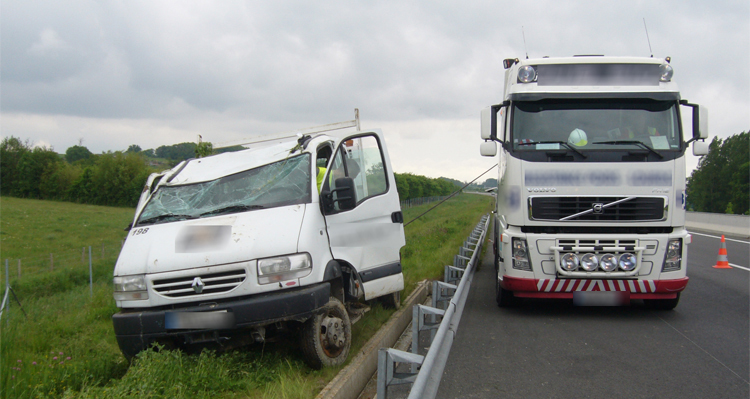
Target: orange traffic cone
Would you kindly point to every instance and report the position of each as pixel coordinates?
(722, 262)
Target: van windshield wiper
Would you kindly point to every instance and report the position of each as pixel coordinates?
(564, 143)
(636, 142)
(232, 208)
(166, 216)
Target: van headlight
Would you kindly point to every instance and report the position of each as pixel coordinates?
(281, 268)
(130, 288)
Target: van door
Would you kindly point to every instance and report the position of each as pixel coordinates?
(363, 213)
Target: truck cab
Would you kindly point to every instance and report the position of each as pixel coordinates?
(289, 234)
(591, 185)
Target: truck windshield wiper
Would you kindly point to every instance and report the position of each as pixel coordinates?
(564, 143)
(636, 142)
(232, 208)
(164, 217)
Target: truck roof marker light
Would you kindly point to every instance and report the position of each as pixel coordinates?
(666, 72)
(527, 74)
(668, 59)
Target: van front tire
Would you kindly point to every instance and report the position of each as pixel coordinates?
(327, 336)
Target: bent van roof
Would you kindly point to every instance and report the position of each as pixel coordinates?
(228, 163)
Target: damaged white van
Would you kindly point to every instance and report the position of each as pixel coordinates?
(288, 235)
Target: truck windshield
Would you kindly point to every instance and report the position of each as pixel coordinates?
(281, 183)
(596, 124)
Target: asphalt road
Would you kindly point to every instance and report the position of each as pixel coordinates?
(553, 349)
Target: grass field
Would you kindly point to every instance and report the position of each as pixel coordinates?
(65, 346)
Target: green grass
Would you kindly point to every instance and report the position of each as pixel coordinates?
(63, 317)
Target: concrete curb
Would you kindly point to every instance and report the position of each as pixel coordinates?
(352, 379)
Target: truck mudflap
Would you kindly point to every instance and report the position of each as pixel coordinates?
(136, 330)
(564, 288)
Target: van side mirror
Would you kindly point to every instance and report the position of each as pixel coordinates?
(344, 196)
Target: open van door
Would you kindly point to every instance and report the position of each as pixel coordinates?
(363, 213)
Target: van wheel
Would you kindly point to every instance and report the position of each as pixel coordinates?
(504, 298)
(391, 301)
(327, 336)
(662, 304)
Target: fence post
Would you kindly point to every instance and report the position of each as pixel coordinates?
(83, 254)
(91, 275)
(19, 268)
(51, 263)
(102, 250)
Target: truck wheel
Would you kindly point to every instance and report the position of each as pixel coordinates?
(391, 301)
(327, 336)
(504, 298)
(662, 304)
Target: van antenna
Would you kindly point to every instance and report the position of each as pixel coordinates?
(647, 39)
(524, 43)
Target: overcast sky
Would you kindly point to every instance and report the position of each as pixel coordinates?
(152, 73)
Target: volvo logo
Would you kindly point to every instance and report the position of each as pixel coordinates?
(198, 285)
(598, 207)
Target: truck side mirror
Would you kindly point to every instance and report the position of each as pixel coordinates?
(488, 149)
(700, 148)
(491, 129)
(702, 115)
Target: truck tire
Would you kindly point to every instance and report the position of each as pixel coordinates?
(504, 298)
(662, 304)
(327, 336)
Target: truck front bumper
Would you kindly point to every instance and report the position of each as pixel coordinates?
(137, 329)
(565, 288)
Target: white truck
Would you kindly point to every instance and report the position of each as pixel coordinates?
(591, 185)
(290, 234)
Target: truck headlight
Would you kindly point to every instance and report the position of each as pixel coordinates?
(272, 270)
(627, 262)
(673, 257)
(520, 255)
(526, 74)
(130, 288)
(569, 262)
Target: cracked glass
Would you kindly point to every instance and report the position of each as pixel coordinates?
(277, 184)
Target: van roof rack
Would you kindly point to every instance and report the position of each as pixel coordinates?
(295, 133)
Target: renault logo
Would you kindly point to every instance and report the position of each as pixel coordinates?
(198, 285)
(598, 208)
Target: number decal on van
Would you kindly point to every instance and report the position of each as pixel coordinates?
(140, 231)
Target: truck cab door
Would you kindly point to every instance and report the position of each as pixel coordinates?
(363, 213)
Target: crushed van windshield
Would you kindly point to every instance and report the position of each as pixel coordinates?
(277, 184)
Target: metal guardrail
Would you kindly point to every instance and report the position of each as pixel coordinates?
(427, 379)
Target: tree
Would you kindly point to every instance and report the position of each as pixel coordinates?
(722, 177)
(31, 167)
(204, 149)
(134, 148)
(77, 153)
(11, 151)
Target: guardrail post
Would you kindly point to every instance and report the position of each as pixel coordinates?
(452, 274)
(387, 375)
(418, 325)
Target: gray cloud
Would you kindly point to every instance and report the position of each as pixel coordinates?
(233, 68)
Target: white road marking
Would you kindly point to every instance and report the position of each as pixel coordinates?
(719, 237)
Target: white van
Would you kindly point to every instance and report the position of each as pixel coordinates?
(235, 247)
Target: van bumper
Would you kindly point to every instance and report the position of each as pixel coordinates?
(137, 329)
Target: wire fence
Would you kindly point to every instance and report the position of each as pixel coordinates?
(405, 204)
(68, 259)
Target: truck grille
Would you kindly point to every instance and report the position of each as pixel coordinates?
(213, 283)
(597, 208)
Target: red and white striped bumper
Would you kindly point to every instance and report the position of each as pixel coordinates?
(564, 288)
